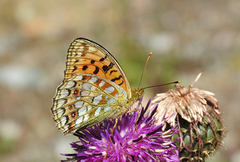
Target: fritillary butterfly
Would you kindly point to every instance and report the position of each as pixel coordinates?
(94, 88)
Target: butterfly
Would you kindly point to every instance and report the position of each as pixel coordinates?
(94, 88)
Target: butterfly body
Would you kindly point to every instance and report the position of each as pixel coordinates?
(94, 88)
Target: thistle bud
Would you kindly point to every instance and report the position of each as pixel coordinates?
(197, 115)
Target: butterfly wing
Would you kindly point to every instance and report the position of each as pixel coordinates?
(85, 100)
(94, 88)
(86, 56)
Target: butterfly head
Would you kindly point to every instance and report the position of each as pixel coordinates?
(137, 93)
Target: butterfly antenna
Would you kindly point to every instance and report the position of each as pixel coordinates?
(145, 68)
(162, 84)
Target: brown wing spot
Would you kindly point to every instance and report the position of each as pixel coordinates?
(76, 92)
(74, 68)
(103, 101)
(96, 70)
(83, 54)
(85, 67)
(69, 107)
(86, 77)
(106, 68)
(112, 71)
(76, 61)
(74, 114)
(114, 92)
(120, 83)
(92, 61)
(71, 126)
(103, 58)
(110, 65)
(98, 82)
(105, 85)
(85, 47)
(113, 80)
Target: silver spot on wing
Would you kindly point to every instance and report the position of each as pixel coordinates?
(78, 104)
(82, 111)
(111, 101)
(86, 117)
(64, 93)
(93, 80)
(97, 111)
(101, 83)
(110, 89)
(61, 102)
(84, 93)
(79, 120)
(107, 108)
(97, 99)
(70, 84)
(86, 86)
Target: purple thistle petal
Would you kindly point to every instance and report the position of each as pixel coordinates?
(135, 138)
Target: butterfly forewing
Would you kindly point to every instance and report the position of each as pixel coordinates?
(85, 56)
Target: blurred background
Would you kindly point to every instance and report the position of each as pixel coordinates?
(184, 36)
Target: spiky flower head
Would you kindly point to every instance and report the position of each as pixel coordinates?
(135, 138)
(197, 114)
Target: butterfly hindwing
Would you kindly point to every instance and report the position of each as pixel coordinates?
(85, 99)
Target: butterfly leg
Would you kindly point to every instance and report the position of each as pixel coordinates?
(129, 111)
(115, 125)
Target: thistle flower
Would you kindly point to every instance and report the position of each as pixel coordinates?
(135, 138)
(197, 114)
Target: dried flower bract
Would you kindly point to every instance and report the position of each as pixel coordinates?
(197, 114)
